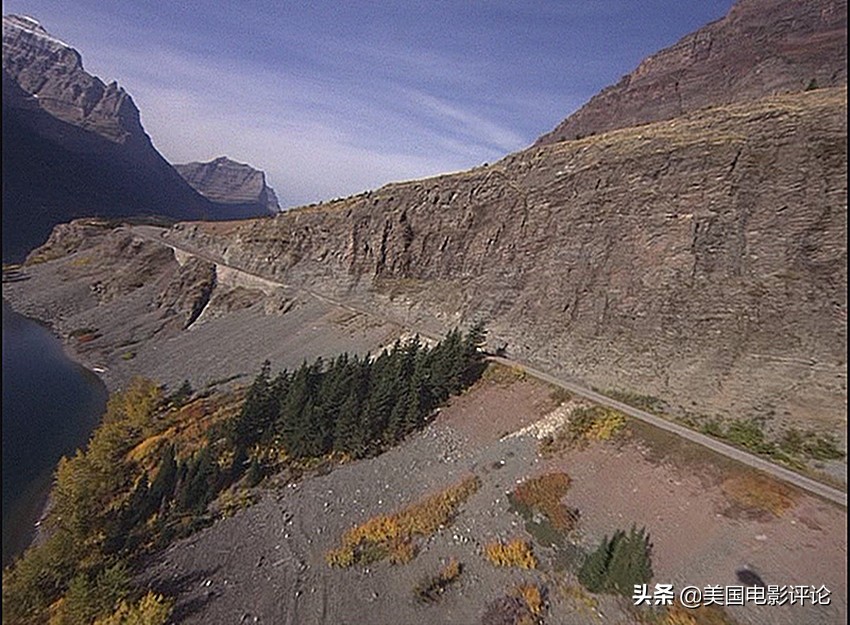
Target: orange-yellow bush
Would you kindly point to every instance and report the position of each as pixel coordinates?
(759, 493)
(586, 425)
(532, 597)
(391, 535)
(516, 552)
(402, 551)
(451, 570)
(544, 493)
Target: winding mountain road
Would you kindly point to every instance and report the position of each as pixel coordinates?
(154, 233)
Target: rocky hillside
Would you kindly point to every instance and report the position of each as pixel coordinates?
(74, 146)
(761, 48)
(664, 260)
(701, 259)
(233, 186)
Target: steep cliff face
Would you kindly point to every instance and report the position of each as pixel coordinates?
(73, 146)
(761, 48)
(234, 187)
(702, 259)
(50, 73)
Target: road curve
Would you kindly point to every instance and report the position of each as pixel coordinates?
(801, 481)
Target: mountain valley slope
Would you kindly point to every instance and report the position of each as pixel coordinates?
(699, 259)
(663, 260)
(74, 146)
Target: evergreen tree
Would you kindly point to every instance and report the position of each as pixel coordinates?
(237, 467)
(350, 429)
(201, 482)
(255, 473)
(618, 564)
(630, 562)
(380, 400)
(313, 427)
(473, 342)
(291, 425)
(258, 412)
(413, 406)
(165, 481)
(593, 573)
(395, 429)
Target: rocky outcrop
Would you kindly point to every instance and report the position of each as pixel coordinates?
(186, 295)
(701, 260)
(761, 48)
(51, 77)
(233, 186)
(74, 146)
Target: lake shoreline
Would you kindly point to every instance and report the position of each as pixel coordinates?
(59, 425)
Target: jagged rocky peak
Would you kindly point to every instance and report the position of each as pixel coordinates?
(49, 74)
(760, 48)
(225, 181)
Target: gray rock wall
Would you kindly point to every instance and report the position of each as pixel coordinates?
(701, 260)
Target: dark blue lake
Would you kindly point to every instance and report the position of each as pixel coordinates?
(50, 406)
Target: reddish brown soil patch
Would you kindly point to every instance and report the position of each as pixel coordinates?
(492, 409)
(787, 537)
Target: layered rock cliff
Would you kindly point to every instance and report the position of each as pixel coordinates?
(74, 146)
(701, 260)
(236, 187)
(51, 77)
(760, 48)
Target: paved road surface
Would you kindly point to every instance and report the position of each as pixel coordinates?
(808, 484)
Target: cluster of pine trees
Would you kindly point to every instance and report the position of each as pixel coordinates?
(108, 509)
(181, 487)
(618, 563)
(354, 405)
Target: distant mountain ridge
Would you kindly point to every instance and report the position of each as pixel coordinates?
(227, 182)
(760, 48)
(701, 259)
(74, 146)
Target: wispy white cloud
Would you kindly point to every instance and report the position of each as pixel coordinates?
(314, 137)
(331, 98)
(476, 127)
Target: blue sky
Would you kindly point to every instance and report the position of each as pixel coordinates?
(332, 98)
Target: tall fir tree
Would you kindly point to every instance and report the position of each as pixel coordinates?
(258, 412)
(630, 562)
(593, 573)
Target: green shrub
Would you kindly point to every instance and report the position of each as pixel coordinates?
(810, 444)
